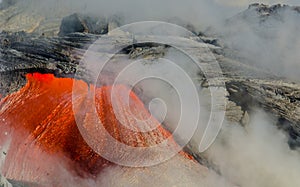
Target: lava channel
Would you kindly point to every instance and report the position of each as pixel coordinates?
(38, 126)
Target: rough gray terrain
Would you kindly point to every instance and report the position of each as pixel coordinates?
(247, 87)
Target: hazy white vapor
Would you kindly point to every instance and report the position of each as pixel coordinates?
(270, 42)
(256, 156)
(243, 3)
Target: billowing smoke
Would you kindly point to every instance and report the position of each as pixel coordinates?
(201, 13)
(266, 38)
(257, 155)
(270, 42)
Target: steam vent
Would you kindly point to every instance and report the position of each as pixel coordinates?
(162, 93)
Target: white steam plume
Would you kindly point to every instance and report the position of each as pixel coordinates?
(257, 155)
(271, 42)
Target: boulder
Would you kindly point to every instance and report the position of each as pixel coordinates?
(83, 23)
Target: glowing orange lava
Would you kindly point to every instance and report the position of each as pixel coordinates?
(41, 112)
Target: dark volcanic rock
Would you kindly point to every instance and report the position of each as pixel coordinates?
(248, 87)
(44, 18)
(266, 10)
(83, 23)
(23, 53)
(6, 3)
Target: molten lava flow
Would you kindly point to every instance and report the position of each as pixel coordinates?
(40, 117)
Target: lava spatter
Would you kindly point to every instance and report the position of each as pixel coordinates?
(40, 118)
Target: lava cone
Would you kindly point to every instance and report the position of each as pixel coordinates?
(38, 121)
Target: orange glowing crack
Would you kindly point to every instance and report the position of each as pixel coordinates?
(41, 112)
